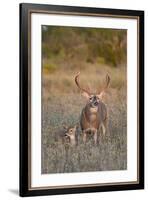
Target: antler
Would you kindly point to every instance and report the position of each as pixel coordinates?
(107, 81)
(107, 84)
(77, 83)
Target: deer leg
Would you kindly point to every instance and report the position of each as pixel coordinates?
(84, 137)
(95, 137)
(103, 128)
(106, 127)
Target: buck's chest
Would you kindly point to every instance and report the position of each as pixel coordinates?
(93, 115)
(90, 119)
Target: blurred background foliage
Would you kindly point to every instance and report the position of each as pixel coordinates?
(74, 47)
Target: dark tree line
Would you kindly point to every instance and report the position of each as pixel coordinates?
(84, 44)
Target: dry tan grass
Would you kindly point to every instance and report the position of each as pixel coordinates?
(62, 104)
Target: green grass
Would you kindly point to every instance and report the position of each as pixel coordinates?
(61, 44)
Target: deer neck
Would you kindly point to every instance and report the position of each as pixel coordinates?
(72, 140)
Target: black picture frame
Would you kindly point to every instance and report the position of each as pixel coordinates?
(25, 92)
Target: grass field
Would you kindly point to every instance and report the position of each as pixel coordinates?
(62, 103)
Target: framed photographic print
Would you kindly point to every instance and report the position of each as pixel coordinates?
(81, 99)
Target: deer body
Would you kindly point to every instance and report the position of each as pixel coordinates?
(94, 115)
(92, 118)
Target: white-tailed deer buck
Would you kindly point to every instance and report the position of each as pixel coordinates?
(94, 115)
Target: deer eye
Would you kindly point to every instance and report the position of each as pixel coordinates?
(71, 130)
(90, 98)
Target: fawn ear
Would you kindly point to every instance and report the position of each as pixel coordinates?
(65, 127)
(76, 126)
(86, 95)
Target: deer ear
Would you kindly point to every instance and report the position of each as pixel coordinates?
(65, 127)
(101, 95)
(76, 126)
(86, 95)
